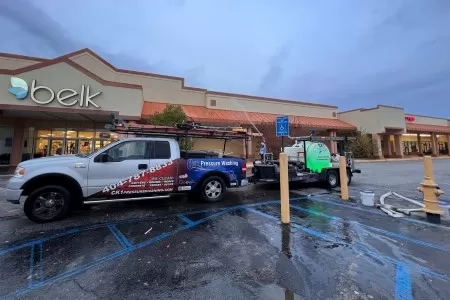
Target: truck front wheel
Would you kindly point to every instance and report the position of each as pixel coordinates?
(213, 189)
(47, 204)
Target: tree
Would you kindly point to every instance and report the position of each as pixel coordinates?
(171, 115)
(363, 146)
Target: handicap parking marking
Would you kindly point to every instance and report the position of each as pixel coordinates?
(188, 222)
(351, 205)
(382, 231)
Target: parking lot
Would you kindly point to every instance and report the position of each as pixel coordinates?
(236, 249)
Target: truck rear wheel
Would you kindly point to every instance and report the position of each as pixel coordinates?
(213, 189)
(47, 204)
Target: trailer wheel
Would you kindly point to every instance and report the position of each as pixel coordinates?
(213, 189)
(332, 179)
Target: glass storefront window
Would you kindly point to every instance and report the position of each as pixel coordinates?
(58, 133)
(86, 134)
(85, 146)
(71, 134)
(70, 141)
(41, 147)
(44, 133)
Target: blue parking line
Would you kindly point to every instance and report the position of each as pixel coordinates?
(185, 219)
(121, 239)
(403, 288)
(111, 256)
(41, 261)
(106, 224)
(357, 247)
(31, 271)
(383, 231)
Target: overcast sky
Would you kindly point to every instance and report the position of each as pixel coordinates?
(349, 53)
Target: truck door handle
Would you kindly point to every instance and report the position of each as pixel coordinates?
(142, 166)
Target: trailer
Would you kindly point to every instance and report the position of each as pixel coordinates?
(309, 160)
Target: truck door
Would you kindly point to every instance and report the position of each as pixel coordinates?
(162, 168)
(120, 171)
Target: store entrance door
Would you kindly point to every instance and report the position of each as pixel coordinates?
(56, 146)
(71, 146)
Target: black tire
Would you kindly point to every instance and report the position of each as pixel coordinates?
(215, 195)
(332, 179)
(349, 177)
(53, 199)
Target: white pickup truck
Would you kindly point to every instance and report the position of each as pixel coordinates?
(126, 170)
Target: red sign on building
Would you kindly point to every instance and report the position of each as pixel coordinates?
(410, 118)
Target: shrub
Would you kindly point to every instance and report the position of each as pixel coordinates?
(170, 116)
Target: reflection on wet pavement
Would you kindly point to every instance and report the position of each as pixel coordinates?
(237, 252)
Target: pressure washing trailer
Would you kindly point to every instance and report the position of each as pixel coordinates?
(309, 160)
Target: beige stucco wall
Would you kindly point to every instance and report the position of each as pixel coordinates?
(430, 120)
(62, 76)
(267, 106)
(170, 90)
(9, 63)
(375, 120)
(155, 89)
(233, 147)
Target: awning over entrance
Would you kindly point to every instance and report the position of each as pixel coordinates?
(423, 128)
(54, 113)
(203, 114)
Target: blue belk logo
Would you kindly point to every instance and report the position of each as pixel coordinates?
(19, 88)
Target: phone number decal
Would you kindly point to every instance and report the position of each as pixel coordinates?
(134, 179)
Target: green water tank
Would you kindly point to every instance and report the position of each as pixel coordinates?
(318, 156)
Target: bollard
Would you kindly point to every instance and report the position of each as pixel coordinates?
(284, 188)
(343, 177)
(431, 192)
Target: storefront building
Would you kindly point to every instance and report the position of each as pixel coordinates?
(61, 105)
(396, 134)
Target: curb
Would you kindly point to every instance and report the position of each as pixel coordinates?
(396, 159)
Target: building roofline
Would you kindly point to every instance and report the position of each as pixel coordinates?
(372, 108)
(24, 57)
(65, 59)
(118, 70)
(423, 116)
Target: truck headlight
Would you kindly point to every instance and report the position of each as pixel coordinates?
(19, 172)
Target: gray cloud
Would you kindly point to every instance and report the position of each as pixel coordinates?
(275, 71)
(348, 53)
(38, 24)
(54, 40)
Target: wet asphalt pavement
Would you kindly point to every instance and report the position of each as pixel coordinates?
(237, 249)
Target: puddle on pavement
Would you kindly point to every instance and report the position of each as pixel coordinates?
(275, 292)
(200, 216)
(137, 232)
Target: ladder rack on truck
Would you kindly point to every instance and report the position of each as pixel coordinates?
(183, 130)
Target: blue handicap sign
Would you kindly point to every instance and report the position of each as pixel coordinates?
(282, 126)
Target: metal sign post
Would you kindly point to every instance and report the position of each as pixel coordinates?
(282, 129)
